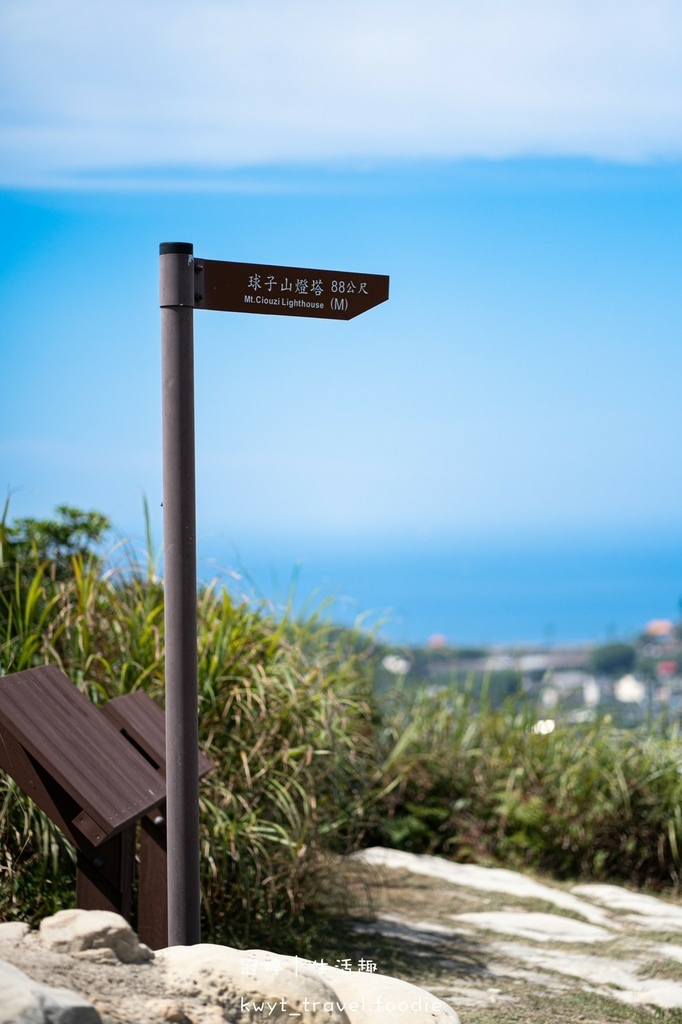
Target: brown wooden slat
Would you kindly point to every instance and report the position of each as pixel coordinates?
(61, 809)
(79, 748)
(104, 875)
(143, 722)
(89, 828)
(36, 783)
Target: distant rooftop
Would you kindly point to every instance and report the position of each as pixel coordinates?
(659, 628)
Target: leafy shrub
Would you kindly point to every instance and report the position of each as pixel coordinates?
(613, 659)
(581, 801)
(311, 762)
(284, 713)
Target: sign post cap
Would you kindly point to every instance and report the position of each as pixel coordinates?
(186, 248)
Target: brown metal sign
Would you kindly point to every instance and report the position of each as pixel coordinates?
(286, 291)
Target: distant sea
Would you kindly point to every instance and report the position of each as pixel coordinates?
(472, 595)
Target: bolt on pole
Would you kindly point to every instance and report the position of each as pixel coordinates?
(176, 279)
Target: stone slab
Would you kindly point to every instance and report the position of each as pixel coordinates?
(255, 984)
(618, 979)
(78, 931)
(648, 911)
(24, 1001)
(472, 876)
(540, 927)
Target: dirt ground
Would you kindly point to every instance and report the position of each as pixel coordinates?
(404, 923)
(407, 925)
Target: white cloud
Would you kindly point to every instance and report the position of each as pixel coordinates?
(221, 84)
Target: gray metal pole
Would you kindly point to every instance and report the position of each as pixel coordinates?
(180, 586)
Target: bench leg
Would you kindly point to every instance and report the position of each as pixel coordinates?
(105, 875)
(152, 909)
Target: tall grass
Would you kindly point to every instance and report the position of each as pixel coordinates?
(312, 763)
(285, 714)
(475, 781)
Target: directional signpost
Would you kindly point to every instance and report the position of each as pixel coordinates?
(188, 283)
(286, 291)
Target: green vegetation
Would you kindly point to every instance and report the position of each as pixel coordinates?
(613, 659)
(472, 780)
(285, 713)
(313, 759)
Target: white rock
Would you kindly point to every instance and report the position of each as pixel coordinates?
(13, 931)
(208, 1015)
(618, 978)
(655, 924)
(371, 998)
(670, 951)
(72, 931)
(255, 985)
(101, 955)
(536, 926)
(647, 911)
(24, 1001)
(168, 1010)
(473, 876)
(251, 985)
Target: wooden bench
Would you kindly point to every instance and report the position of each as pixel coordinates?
(95, 773)
(143, 724)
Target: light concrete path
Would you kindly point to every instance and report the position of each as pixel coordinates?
(541, 927)
(472, 876)
(559, 954)
(647, 911)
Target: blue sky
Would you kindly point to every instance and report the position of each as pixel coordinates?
(515, 169)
